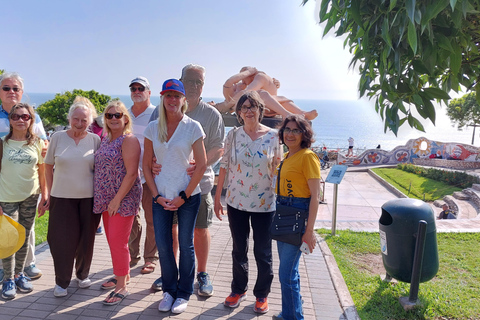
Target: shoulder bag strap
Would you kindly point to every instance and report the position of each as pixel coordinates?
(278, 178)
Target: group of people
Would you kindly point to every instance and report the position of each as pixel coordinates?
(160, 158)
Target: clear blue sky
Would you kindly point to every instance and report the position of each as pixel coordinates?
(102, 45)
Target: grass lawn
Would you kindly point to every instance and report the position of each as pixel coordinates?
(415, 186)
(41, 228)
(452, 294)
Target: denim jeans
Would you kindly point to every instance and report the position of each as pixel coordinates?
(178, 282)
(239, 222)
(288, 274)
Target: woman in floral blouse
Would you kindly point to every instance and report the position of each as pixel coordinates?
(252, 153)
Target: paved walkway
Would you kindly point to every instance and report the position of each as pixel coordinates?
(325, 294)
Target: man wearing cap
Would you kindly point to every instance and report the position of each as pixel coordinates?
(193, 78)
(141, 112)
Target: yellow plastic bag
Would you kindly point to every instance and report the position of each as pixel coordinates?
(12, 236)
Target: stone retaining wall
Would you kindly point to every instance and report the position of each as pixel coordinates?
(450, 164)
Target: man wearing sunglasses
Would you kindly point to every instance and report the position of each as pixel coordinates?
(11, 92)
(193, 78)
(141, 112)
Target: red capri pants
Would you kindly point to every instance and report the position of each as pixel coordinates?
(117, 230)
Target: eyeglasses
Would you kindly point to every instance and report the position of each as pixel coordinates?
(117, 115)
(197, 83)
(293, 131)
(24, 117)
(15, 89)
(245, 109)
(134, 89)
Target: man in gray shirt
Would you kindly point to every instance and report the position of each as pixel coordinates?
(193, 78)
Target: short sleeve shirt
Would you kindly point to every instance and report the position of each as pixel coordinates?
(296, 171)
(174, 155)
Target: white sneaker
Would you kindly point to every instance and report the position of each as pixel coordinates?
(59, 291)
(179, 305)
(85, 283)
(166, 303)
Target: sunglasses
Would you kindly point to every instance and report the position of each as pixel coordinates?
(15, 89)
(134, 89)
(24, 117)
(245, 109)
(117, 115)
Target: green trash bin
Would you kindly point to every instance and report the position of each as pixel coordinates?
(398, 229)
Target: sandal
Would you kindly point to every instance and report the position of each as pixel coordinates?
(148, 268)
(110, 284)
(114, 295)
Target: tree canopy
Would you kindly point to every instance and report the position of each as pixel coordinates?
(410, 53)
(465, 111)
(55, 111)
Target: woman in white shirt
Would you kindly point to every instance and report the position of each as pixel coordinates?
(252, 154)
(175, 139)
(71, 223)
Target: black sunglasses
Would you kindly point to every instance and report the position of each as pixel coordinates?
(24, 117)
(134, 89)
(117, 115)
(15, 89)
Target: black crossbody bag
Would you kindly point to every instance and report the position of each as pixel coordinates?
(288, 223)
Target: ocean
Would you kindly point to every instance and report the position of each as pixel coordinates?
(338, 120)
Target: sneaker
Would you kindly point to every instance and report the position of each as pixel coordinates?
(157, 285)
(166, 303)
(234, 299)
(179, 305)
(23, 283)
(85, 283)
(32, 272)
(9, 289)
(59, 291)
(278, 316)
(205, 287)
(261, 305)
(99, 231)
(1, 275)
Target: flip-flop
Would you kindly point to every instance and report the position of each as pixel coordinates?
(147, 268)
(112, 280)
(115, 295)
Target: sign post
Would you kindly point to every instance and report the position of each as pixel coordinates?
(335, 176)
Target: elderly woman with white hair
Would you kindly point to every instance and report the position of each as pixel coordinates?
(72, 224)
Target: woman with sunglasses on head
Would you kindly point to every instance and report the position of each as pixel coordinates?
(118, 191)
(252, 154)
(11, 93)
(72, 224)
(22, 177)
(175, 139)
(299, 185)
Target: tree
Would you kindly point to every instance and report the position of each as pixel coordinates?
(55, 111)
(465, 111)
(410, 52)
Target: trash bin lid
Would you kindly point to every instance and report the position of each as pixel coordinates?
(404, 215)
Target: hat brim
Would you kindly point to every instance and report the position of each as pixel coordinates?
(162, 92)
(7, 249)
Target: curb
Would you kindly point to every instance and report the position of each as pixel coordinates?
(344, 297)
(387, 185)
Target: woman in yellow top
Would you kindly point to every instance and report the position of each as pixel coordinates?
(299, 186)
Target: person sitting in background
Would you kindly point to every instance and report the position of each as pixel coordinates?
(250, 79)
(447, 213)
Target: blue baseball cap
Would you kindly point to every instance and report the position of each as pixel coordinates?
(173, 85)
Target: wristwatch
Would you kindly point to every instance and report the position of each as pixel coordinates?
(183, 195)
(156, 197)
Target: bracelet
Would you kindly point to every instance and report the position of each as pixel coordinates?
(155, 198)
(183, 195)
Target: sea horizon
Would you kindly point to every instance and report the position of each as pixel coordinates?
(340, 119)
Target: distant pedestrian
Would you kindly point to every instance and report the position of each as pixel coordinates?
(350, 147)
(447, 213)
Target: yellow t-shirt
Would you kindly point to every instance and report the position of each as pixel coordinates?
(19, 175)
(296, 171)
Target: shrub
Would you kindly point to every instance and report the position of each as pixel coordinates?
(455, 178)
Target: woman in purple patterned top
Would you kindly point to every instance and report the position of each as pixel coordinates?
(117, 192)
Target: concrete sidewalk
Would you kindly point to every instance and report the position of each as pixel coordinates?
(325, 294)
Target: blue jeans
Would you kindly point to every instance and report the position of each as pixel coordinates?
(178, 282)
(288, 274)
